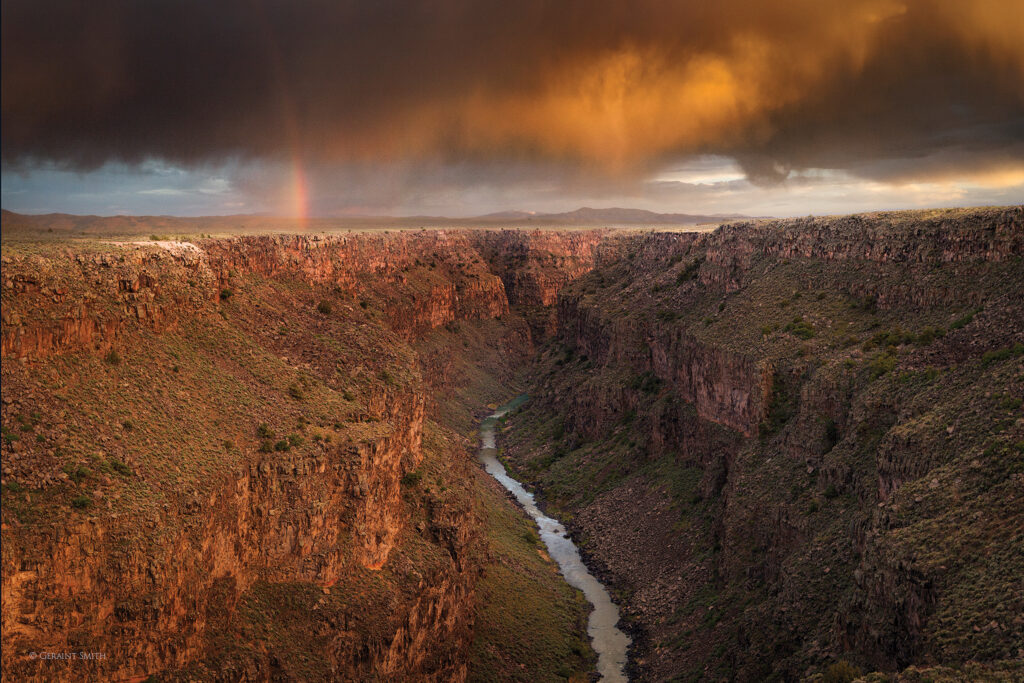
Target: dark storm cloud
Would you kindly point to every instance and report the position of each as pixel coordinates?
(600, 84)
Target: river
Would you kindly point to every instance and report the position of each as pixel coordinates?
(608, 641)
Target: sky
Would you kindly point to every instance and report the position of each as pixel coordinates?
(465, 107)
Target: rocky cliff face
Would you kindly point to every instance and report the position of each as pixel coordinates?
(763, 436)
(725, 387)
(83, 301)
(535, 266)
(459, 285)
(311, 517)
(72, 302)
(194, 432)
(783, 444)
(885, 244)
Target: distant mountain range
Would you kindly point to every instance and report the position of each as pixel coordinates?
(63, 223)
(611, 216)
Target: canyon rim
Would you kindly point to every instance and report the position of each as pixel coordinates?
(788, 448)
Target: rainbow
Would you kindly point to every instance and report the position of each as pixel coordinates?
(299, 191)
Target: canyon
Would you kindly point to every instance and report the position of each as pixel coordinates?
(792, 449)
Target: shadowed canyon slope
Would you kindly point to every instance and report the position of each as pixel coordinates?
(797, 445)
(783, 445)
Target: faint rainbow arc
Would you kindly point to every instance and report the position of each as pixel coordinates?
(289, 118)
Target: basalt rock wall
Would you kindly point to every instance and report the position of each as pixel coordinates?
(725, 387)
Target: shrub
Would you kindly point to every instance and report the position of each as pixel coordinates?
(385, 376)
(928, 335)
(347, 395)
(113, 357)
(666, 315)
(800, 328)
(29, 422)
(895, 337)
(962, 322)
(1011, 403)
(842, 672)
(264, 431)
(81, 502)
(266, 447)
(646, 382)
(10, 436)
(780, 409)
(119, 467)
(990, 357)
(226, 294)
(882, 364)
(868, 304)
(364, 304)
(296, 392)
(831, 434)
(411, 479)
(76, 473)
(831, 491)
(689, 271)
(294, 440)
(324, 307)
(283, 445)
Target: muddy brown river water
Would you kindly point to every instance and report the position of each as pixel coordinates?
(610, 643)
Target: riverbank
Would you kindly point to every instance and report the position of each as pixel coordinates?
(609, 642)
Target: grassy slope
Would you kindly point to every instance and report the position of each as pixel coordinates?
(179, 407)
(531, 624)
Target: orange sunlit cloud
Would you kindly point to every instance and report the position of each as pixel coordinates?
(604, 88)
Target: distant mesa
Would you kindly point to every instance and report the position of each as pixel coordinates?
(609, 217)
(14, 223)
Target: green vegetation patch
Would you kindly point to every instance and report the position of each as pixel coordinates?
(531, 624)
